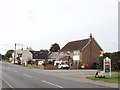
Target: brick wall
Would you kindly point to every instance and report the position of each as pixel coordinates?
(91, 53)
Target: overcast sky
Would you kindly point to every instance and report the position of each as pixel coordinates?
(40, 23)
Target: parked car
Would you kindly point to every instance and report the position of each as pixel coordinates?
(40, 62)
(63, 66)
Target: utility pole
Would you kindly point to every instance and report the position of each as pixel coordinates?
(15, 53)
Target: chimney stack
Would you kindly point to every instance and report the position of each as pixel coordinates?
(90, 36)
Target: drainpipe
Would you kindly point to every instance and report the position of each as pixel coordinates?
(90, 49)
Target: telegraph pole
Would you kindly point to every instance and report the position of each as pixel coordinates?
(15, 53)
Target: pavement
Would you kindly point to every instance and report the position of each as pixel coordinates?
(22, 77)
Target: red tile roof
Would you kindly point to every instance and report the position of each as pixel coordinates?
(75, 45)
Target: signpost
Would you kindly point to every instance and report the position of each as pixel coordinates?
(107, 65)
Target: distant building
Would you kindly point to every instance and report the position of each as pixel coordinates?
(82, 51)
(23, 56)
(53, 56)
(0, 56)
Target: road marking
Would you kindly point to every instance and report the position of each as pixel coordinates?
(7, 83)
(27, 75)
(52, 84)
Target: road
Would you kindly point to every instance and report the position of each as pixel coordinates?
(22, 77)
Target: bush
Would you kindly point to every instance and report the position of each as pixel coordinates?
(115, 60)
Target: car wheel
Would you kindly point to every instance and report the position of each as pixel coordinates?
(67, 68)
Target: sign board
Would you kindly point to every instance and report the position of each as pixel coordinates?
(101, 53)
(107, 65)
(76, 57)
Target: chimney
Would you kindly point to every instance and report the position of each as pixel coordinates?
(90, 36)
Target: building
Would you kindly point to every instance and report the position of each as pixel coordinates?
(82, 51)
(53, 56)
(0, 57)
(23, 56)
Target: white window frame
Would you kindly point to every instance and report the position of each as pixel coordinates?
(76, 52)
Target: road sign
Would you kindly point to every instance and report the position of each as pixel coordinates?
(107, 65)
(101, 53)
(76, 57)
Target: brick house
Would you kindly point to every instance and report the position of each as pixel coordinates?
(82, 51)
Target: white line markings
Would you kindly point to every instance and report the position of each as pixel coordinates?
(52, 84)
(7, 83)
(27, 75)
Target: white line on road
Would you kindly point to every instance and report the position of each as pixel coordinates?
(7, 83)
(27, 75)
(52, 84)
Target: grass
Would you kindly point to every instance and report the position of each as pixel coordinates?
(26, 66)
(115, 78)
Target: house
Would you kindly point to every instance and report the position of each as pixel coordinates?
(24, 56)
(0, 56)
(16, 56)
(37, 55)
(53, 56)
(66, 59)
(82, 51)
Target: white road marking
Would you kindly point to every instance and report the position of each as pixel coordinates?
(27, 75)
(52, 84)
(7, 83)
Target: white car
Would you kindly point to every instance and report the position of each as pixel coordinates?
(63, 66)
(40, 62)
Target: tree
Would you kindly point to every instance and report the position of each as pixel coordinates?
(115, 60)
(54, 47)
(43, 50)
(9, 54)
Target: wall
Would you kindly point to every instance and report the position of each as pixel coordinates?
(26, 56)
(91, 53)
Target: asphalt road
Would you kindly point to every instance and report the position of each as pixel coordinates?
(22, 77)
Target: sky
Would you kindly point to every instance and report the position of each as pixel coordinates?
(40, 23)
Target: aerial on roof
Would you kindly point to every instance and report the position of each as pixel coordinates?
(75, 45)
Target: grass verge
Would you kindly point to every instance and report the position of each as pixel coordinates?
(115, 78)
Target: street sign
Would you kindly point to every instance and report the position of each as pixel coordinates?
(107, 65)
(76, 57)
(101, 53)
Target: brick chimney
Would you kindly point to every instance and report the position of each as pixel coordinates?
(90, 36)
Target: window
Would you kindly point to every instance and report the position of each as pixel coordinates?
(77, 52)
(68, 53)
(61, 53)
